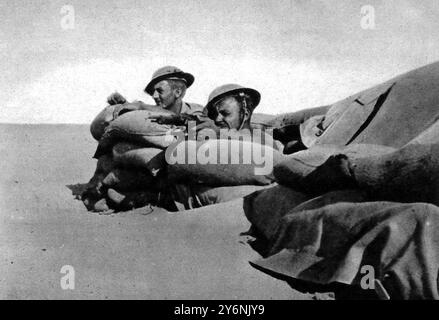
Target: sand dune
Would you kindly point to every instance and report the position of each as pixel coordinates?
(133, 255)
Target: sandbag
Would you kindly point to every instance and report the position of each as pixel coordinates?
(133, 155)
(222, 163)
(135, 126)
(104, 166)
(129, 200)
(186, 197)
(129, 179)
(294, 171)
(95, 190)
(265, 208)
(101, 121)
(113, 111)
(410, 174)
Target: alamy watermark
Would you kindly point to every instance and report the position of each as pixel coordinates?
(68, 17)
(67, 281)
(369, 281)
(232, 147)
(368, 17)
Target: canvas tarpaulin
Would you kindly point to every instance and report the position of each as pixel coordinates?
(389, 114)
(390, 220)
(325, 242)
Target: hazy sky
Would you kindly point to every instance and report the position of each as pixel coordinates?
(297, 53)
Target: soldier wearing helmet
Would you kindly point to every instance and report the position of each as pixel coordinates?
(231, 106)
(167, 87)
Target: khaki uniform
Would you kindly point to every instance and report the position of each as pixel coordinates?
(192, 109)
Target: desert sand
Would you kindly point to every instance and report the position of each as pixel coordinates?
(139, 254)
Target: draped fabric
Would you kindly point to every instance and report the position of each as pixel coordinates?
(388, 219)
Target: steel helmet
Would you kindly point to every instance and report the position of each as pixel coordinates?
(232, 89)
(171, 73)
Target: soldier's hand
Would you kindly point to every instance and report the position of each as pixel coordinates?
(166, 119)
(206, 124)
(205, 128)
(116, 98)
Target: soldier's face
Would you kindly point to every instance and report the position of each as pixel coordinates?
(228, 114)
(164, 96)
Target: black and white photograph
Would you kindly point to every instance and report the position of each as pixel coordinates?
(219, 150)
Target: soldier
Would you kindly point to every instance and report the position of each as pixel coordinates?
(231, 106)
(167, 87)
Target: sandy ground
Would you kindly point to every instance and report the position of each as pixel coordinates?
(134, 255)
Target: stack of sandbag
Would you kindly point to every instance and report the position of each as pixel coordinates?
(113, 111)
(137, 126)
(136, 140)
(135, 145)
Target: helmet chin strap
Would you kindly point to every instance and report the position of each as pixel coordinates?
(243, 122)
(246, 111)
